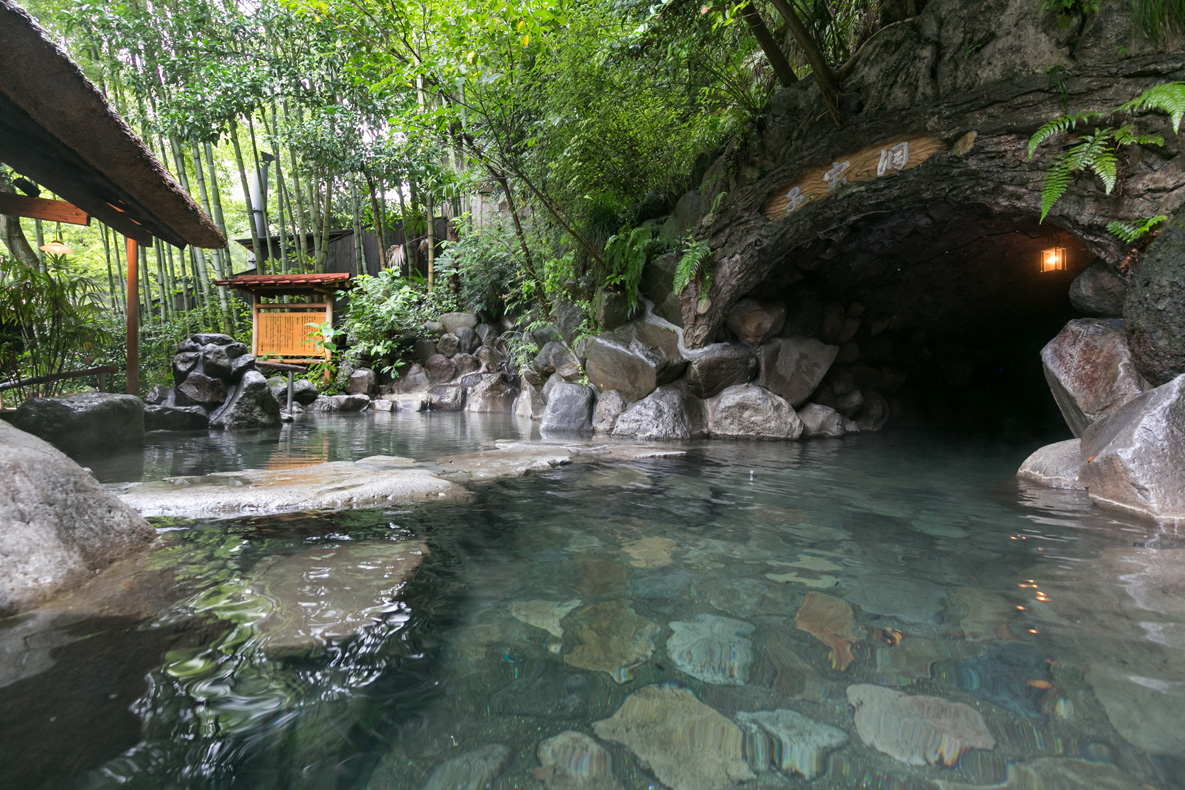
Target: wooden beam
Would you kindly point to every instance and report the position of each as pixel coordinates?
(40, 208)
(133, 316)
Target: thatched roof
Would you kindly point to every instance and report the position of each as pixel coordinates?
(57, 129)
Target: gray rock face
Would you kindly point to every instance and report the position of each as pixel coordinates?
(609, 407)
(821, 421)
(59, 524)
(201, 389)
(658, 285)
(713, 649)
(158, 394)
(447, 345)
(467, 340)
(492, 394)
(1090, 371)
(454, 321)
(611, 309)
(440, 368)
(529, 405)
(362, 381)
(183, 363)
(1153, 311)
(793, 367)
(175, 418)
(304, 392)
(324, 403)
(569, 409)
(634, 360)
(874, 413)
(216, 362)
(753, 322)
(88, 420)
(491, 358)
(353, 402)
(1054, 465)
(251, 405)
(446, 398)
(414, 380)
(553, 356)
(1134, 459)
(466, 364)
(748, 410)
(721, 365)
(666, 413)
(487, 333)
(1098, 291)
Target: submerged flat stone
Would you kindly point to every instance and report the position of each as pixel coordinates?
(611, 638)
(713, 649)
(917, 730)
(790, 741)
(575, 761)
(832, 622)
(544, 614)
(335, 485)
(650, 552)
(688, 745)
(501, 463)
(473, 770)
(911, 600)
(1057, 773)
(787, 673)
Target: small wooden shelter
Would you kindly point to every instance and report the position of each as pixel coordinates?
(280, 330)
(57, 129)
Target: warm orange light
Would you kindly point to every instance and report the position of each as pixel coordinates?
(56, 248)
(1053, 259)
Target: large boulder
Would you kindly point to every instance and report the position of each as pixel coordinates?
(1153, 309)
(820, 421)
(552, 357)
(658, 285)
(454, 321)
(1054, 465)
(609, 407)
(719, 366)
(250, 405)
(467, 340)
(747, 410)
(874, 413)
(304, 392)
(611, 309)
(1098, 291)
(492, 394)
(754, 322)
(86, 421)
(440, 368)
(466, 364)
(1090, 371)
(414, 380)
(634, 360)
(362, 381)
(792, 367)
(666, 413)
(569, 409)
(59, 525)
(198, 388)
(175, 418)
(215, 361)
(446, 397)
(1134, 458)
(529, 404)
(447, 345)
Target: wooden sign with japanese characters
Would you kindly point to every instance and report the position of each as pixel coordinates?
(878, 161)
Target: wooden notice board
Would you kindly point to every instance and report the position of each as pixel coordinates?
(282, 331)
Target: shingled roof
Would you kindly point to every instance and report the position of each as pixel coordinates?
(57, 129)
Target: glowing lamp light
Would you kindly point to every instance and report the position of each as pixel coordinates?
(1053, 260)
(56, 248)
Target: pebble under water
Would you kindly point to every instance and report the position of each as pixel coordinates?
(884, 611)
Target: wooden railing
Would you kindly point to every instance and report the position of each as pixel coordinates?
(99, 372)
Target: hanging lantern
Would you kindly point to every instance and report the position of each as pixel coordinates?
(56, 248)
(1053, 260)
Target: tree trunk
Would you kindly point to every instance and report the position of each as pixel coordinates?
(528, 261)
(768, 45)
(14, 235)
(828, 85)
(226, 269)
(234, 139)
(359, 258)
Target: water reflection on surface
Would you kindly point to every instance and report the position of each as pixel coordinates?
(884, 611)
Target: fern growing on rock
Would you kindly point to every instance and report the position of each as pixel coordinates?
(692, 265)
(1131, 232)
(1098, 152)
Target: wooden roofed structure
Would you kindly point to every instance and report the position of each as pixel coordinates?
(281, 330)
(57, 129)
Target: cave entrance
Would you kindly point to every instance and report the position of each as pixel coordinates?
(951, 310)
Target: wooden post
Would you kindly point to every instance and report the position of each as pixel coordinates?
(290, 392)
(133, 318)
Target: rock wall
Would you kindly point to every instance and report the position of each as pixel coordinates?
(216, 384)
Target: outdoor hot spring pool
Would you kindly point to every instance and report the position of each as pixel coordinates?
(742, 616)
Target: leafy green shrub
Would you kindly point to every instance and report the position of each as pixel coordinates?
(626, 254)
(691, 265)
(484, 264)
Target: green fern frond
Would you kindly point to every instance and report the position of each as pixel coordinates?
(1062, 123)
(691, 264)
(1168, 97)
(1130, 233)
(1126, 135)
(1106, 167)
(1057, 180)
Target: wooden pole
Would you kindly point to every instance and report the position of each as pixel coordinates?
(133, 319)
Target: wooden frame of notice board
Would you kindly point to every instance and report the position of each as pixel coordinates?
(282, 332)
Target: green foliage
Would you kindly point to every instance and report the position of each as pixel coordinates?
(1161, 20)
(626, 254)
(1066, 10)
(696, 255)
(484, 261)
(50, 322)
(384, 315)
(1131, 232)
(1098, 152)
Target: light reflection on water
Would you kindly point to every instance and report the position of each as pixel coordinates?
(369, 648)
